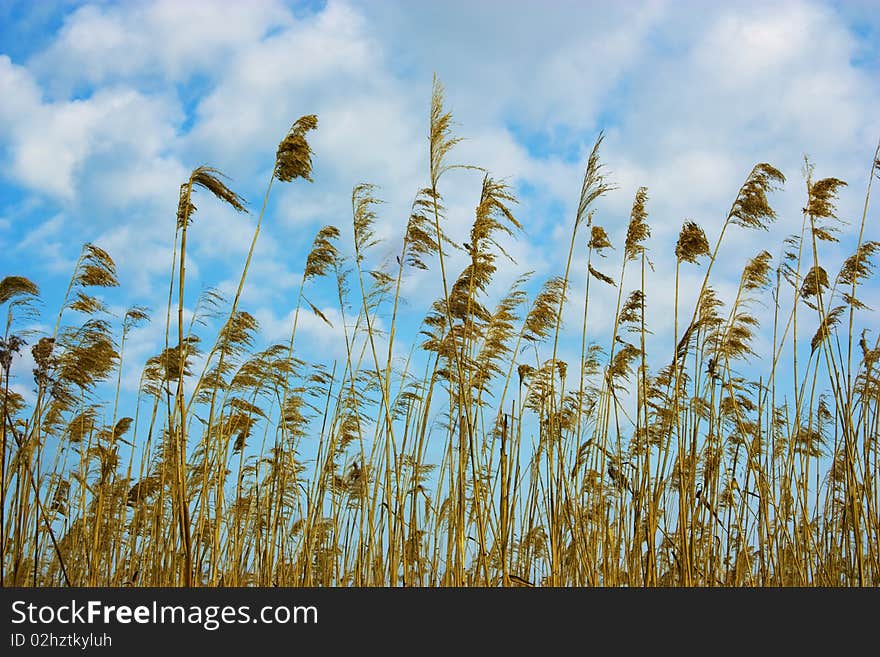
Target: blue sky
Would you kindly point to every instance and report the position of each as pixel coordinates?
(106, 107)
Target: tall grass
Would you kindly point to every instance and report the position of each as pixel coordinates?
(479, 457)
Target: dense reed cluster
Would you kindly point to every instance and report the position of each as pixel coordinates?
(481, 458)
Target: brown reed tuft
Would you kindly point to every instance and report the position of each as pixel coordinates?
(294, 156)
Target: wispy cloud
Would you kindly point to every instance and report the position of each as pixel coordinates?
(106, 120)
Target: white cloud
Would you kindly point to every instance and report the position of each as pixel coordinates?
(105, 123)
(50, 146)
(143, 257)
(20, 94)
(47, 240)
(104, 44)
(272, 82)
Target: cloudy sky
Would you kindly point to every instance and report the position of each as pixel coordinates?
(105, 108)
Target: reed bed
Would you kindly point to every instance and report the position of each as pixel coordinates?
(481, 458)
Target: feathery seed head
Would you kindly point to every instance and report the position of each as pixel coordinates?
(756, 273)
(324, 254)
(822, 195)
(594, 184)
(15, 286)
(294, 157)
(208, 178)
(815, 281)
(599, 239)
(692, 243)
(440, 139)
(638, 230)
(751, 208)
(362, 202)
